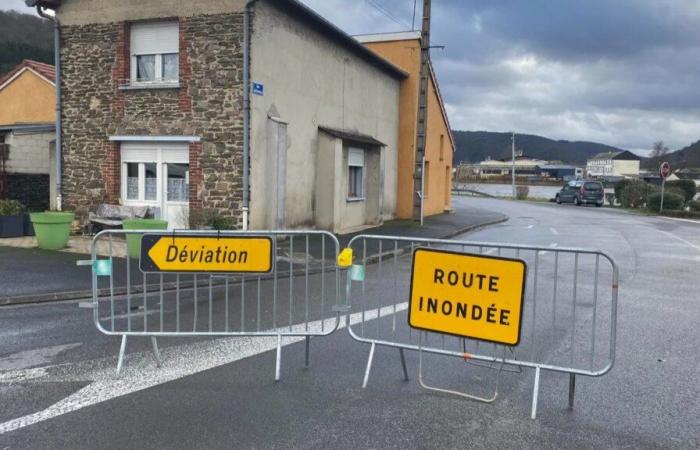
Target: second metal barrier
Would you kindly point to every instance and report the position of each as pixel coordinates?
(568, 320)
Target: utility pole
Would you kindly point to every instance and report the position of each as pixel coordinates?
(512, 167)
(421, 129)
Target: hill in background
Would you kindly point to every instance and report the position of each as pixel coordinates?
(476, 146)
(24, 36)
(687, 157)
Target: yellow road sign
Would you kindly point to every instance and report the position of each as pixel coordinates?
(230, 254)
(474, 296)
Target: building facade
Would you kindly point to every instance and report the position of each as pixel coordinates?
(613, 164)
(153, 112)
(403, 49)
(27, 115)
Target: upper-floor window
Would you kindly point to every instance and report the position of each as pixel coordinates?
(155, 52)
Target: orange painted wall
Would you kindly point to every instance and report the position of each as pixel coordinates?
(27, 99)
(406, 55)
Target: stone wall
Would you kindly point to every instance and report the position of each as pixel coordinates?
(207, 104)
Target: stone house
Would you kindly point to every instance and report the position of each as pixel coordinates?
(27, 114)
(155, 113)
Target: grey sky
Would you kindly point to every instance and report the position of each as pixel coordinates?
(621, 72)
(17, 5)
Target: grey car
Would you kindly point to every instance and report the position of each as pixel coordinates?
(581, 192)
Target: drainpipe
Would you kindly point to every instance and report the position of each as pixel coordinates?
(57, 64)
(246, 111)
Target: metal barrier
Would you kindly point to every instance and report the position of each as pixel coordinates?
(568, 323)
(290, 301)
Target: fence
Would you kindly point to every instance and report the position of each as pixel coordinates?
(568, 319)
(302, 288)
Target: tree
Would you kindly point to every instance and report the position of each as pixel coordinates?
(659, 149)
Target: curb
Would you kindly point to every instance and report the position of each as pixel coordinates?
(118, 291)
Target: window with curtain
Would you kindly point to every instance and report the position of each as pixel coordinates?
(178, 182)
(155, 52)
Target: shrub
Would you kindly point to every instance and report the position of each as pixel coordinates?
(620, 187)
(207, 218)
(633, 193)
(694, 205)
(687, 187)
(10, 208)
(521, 192)
(610, 198)
(672, 201)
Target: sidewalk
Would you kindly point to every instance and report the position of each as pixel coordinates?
(31, 275)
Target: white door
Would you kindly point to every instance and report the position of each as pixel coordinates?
(157, 175)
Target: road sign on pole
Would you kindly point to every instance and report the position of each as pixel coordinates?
(664, 171)
(474, 296)
(206, 253)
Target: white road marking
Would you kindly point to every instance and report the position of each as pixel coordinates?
(490, 251)
(141, 372)
(529, 227)
(680, 219)
(688, 243)
(554, 231)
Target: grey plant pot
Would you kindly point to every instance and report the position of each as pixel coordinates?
(12, 226)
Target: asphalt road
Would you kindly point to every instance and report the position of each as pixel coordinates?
(58, 388)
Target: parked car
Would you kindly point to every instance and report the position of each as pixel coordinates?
(581, 192)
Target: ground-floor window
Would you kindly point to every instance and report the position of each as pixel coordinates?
(356, 164)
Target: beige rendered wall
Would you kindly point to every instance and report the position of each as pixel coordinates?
(311, 81)
(406, 54)
(27, 99)
(621, 167)
(81, 12)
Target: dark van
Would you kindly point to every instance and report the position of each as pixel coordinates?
(581, 192)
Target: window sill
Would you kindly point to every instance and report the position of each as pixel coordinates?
(355, 199)
(146, 86)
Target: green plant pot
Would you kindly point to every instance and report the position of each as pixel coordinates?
(133, 241)
(52, 229)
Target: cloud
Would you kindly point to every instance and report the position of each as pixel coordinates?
(621, 72)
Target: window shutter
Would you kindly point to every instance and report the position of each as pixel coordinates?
(154, 38)
(356, 157)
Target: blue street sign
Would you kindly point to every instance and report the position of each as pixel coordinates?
(258, 89)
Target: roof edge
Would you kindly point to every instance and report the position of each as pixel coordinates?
(388, 37)
(333, 31)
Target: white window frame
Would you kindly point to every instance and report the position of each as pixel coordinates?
(155, 154)
(353, 161)
(166, 49)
